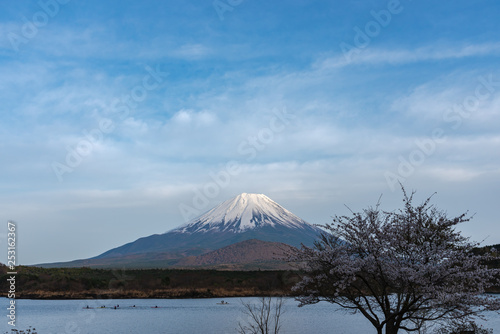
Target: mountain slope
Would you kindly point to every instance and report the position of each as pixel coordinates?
(244, 252)
(247, 216)
(244, 217)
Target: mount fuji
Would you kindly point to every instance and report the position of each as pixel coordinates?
(244, 213)
(242, 218)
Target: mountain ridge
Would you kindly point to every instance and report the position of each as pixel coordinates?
(243, 212)
(244, 217)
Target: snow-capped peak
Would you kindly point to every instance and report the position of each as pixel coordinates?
(241, 213)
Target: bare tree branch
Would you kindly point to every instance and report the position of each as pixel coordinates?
(264, 318)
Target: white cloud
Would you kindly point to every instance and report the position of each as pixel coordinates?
(191, 51)
(191, 117)
(452, 174)
(132, 127)
(328, 155)
(376, 56)
(444, 101)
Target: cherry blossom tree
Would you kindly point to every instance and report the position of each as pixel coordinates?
(401, 270)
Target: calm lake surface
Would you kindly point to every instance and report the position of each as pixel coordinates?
(177, 316)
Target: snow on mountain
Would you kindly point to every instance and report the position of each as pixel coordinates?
(242, 213)
(245, 217)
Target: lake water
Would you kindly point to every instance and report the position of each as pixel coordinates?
(177, 316)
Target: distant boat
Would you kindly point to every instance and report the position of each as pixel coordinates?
(222, 303)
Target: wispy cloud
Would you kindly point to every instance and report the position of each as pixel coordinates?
(191, 51)
(379, 56)
(225, 81)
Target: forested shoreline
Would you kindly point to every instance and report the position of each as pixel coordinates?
(87, 283)
(90, 283)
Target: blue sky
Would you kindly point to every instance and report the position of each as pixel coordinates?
(117, 116)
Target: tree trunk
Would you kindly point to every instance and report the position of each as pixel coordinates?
(391, 328)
